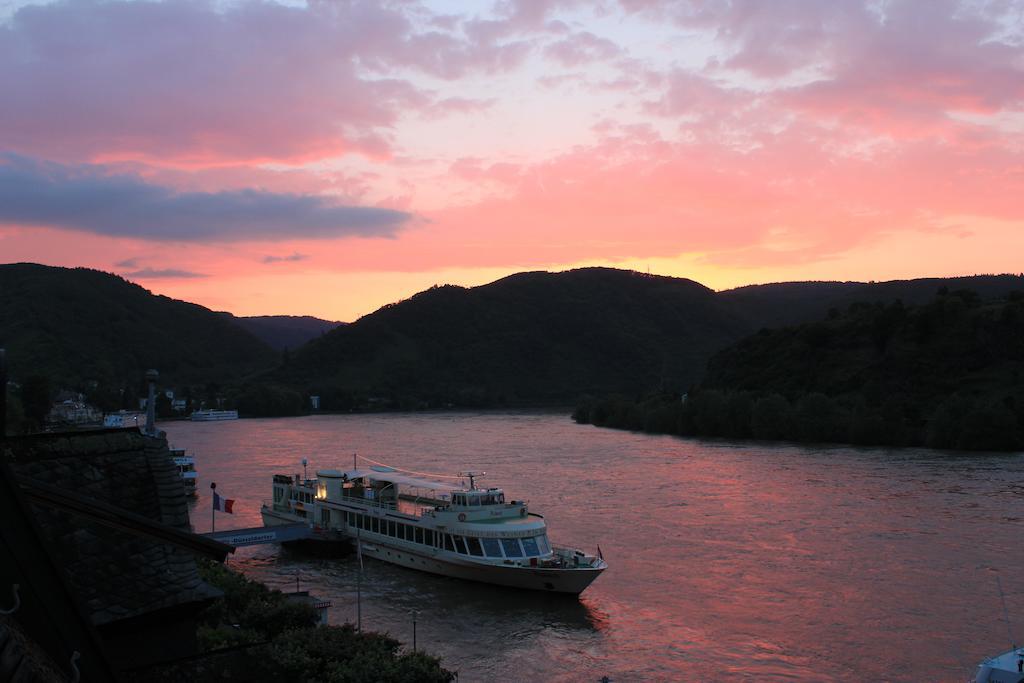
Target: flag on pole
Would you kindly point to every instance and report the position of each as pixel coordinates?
(223, 504)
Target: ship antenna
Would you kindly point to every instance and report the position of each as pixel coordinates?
(1006, 615)
(472, 478)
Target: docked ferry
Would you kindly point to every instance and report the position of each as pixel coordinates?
(434, 526)
(210, 415)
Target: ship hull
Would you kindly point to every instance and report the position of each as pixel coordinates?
(570, 580)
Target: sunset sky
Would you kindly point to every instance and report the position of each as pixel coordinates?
(327, 158)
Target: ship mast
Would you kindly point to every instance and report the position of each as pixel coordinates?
(472, 478)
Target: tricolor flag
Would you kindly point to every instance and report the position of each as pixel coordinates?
(223, 504)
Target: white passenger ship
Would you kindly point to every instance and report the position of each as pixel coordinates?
(438, 527)
(210, 415)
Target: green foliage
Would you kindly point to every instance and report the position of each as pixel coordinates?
(258, 612)
(532, 338)
(299, 650)
(86, 329)
(36, 399)
(771, 418)
(947, 374)
(338, 654)
(267, 400)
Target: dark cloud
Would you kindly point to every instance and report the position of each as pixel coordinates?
(280, 259)
(87, 198)
(162, 274)
(128, 263)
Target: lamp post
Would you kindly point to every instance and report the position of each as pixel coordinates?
(414, 630)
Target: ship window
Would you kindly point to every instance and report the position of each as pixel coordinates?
(404, 532)
(419, 535)
(325, 516)
(542, 543)
(391, 528)
(448, 542)
(460, 546)
(501, 497)
(492, 547)
(474, 500)
(428, 537)
(511, 546)
(375, 525)
(365, 523)
(474, 546)
(530, 547)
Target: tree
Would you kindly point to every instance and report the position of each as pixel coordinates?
(36, 400)
(771, 418)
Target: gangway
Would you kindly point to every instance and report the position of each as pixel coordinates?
(261, 535)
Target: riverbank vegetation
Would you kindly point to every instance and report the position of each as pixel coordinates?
(947, 374)
(255, 633)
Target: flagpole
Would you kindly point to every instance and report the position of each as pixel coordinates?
(213, 507)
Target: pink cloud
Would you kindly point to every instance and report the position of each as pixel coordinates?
(199, 84)
(582, 47)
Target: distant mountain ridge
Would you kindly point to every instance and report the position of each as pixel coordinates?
(282, 332)
(528, 338)
(531, 338)
(534, 338)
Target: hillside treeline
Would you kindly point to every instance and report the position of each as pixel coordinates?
(945, 375)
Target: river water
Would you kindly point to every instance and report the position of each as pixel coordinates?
(728, 561)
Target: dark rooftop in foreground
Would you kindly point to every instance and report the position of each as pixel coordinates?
(111, 509)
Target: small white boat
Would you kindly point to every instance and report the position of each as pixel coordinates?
(209, 415)
(125, 418)
(1007, 667)
(442, 527)
(186, 465)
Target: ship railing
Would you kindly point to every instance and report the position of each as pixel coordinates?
(369, 502)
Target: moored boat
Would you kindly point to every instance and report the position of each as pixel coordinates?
(1007, 667)
(210, 415)
(438, 526)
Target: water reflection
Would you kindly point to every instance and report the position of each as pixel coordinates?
(726, 560)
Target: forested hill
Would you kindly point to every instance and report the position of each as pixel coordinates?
(80, 326)
(526, 339)
(282, 332)
(791, 303)
(535, 338)
(949, 374)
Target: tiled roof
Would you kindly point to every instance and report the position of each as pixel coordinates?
(21, 659)
(114, 574)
